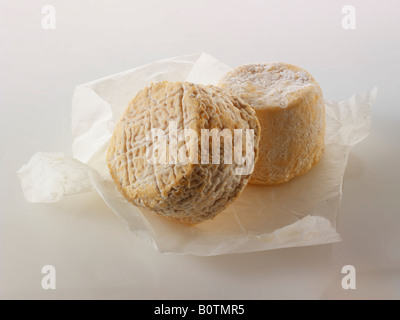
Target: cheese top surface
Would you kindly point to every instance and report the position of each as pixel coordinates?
(268, 84)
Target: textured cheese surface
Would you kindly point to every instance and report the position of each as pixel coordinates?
(290, 107)
(188, 192)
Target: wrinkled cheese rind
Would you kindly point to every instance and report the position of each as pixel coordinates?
(187, 192)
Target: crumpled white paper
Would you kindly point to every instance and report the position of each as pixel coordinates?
(298, 213)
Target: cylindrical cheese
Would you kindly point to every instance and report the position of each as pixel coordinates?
(290, 107)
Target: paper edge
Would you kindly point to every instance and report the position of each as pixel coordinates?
(124, 72)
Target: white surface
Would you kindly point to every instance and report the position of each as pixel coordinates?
(94, 254)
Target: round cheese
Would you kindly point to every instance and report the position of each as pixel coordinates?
(188, 186)
(290, 107)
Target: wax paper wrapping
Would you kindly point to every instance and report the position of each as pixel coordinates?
(302, 212)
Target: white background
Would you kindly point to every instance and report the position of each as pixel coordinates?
(94, 254)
